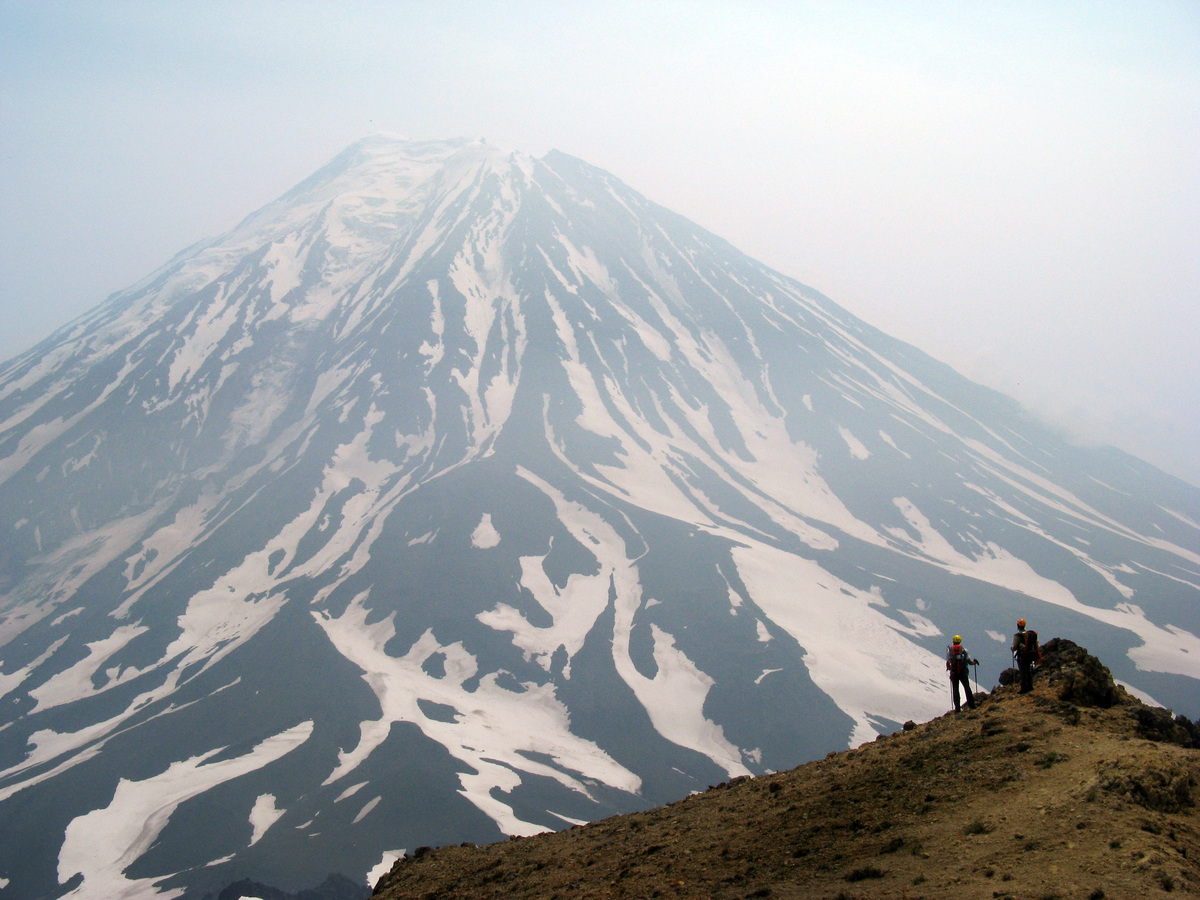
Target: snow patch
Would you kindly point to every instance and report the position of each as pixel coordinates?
(765, 673)
(888, 676)
(858, 449)
(366, 810)
(351, 791)
(102, 844)
(10, 682)
(887, 439)
(497, 732)
(263, 816)
(485, 536)
(1186, 520)
(78, 681)
(676, 705)
(1168, 649)
(574, 609)
(674, 697)
(381, 868)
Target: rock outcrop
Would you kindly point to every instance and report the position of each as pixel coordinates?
(1077, 676)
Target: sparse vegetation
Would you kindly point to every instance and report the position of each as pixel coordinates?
(927, 787)
(863, 873)
(1049, 759)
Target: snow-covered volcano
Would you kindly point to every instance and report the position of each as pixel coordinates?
(459, 494)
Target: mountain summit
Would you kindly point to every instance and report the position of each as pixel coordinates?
(458, 494)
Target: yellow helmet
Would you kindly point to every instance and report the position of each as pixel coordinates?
(958, 639)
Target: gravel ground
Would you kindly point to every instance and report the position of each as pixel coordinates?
(1028, 796)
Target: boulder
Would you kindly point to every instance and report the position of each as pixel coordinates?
(1076, 675)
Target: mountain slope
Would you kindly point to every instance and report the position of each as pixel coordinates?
(457, 494)
(1029, 796)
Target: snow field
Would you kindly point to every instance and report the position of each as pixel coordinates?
(101, 845)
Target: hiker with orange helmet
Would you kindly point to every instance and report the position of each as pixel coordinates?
(957, 662)
(1026, 652)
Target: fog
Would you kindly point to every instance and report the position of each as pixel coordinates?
(1012, 188)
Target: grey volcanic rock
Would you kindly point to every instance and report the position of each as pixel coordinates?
(335, 887)
(458, 494)
(1077, 675)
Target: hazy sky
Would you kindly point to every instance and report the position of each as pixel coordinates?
(1012, 187)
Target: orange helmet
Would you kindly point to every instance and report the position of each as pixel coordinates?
(1020, 623)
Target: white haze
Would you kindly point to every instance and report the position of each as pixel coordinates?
(1013, 188)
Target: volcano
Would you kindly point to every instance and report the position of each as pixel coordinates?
(458, 494)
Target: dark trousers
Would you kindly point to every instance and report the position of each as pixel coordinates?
(955, 678)
(1025, 665)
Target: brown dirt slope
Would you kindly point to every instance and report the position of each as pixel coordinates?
(1075, 790)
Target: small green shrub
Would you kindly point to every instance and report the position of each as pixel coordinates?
(1050, 759)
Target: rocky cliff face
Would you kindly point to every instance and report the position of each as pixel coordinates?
(459, 494)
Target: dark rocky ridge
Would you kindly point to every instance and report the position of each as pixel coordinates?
(335, 887)
(1074, 790)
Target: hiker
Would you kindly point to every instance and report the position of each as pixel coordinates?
(957, 663)
(1026, 652)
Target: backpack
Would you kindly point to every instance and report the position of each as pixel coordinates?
(1030, 647)
(957, 661)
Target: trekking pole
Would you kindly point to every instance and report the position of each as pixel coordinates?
(975, 673)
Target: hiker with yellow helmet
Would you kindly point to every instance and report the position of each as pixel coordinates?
(957, 662)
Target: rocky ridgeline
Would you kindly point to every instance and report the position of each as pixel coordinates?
(1077, 678)
(1074, 790)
